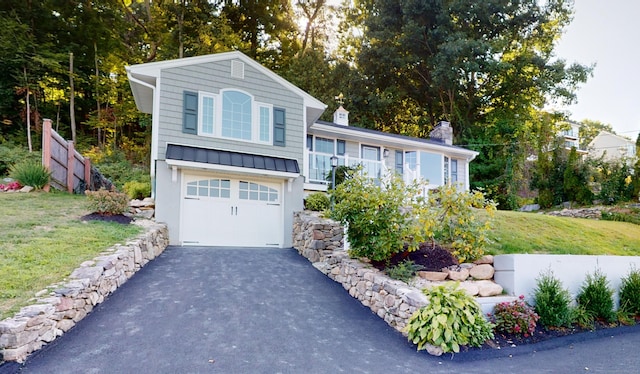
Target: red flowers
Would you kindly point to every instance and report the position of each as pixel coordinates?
(516, 317)
(11, 186)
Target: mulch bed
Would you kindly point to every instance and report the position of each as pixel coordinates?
(118, 218)
(431, 257)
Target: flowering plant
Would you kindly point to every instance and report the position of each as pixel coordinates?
(516, 317)
(11, 186)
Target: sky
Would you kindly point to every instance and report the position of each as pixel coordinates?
(607, 34)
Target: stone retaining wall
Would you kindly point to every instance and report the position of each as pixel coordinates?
(592, 213)
(320, 240)
(61, 306)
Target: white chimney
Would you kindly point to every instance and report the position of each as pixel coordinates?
(341, 116)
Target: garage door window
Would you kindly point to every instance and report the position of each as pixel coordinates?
(257, 192)
(210, 188)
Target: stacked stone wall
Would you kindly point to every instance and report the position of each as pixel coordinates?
(320, 240)
(59, 307)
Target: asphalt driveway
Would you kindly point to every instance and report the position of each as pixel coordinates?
(224, 310)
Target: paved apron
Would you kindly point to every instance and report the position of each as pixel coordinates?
(257, 310)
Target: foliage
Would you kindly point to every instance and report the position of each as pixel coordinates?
(107, 202)
(630, 292)
(30, 173)
(582, 317)
(318, 202)
(11, 154)
(575, 180)
(450, 319)
(43, 240)
(342, 173)
(380, 216)
(614, 180)
(404, 271)
(596, 297)
(632, 216)
(458, 222)
(137, 190)
(115, 166)
(552, 301)
(516, 317)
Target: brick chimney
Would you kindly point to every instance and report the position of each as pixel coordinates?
(442, 133)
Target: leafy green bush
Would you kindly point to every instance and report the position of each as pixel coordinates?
(596, 297)
(379, 216)
(11, 154)
(137, 190)
(582, 317)
(630, 292)
(552, 301)
(318, 202)
(451, 319)
(107, 202)
(30, 173)
(404, 271)
(516, 317)
(458, 222)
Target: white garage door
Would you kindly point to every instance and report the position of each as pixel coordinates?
(218, 211)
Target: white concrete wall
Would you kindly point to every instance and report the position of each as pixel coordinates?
(517, 273)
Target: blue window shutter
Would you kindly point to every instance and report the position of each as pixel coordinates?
(279, 120)
(399, 162)
(190, 113)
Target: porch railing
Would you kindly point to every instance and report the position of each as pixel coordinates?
(319, 166)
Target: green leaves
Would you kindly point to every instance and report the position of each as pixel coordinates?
(451, 319)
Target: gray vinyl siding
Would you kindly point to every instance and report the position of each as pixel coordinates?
(353, 149)
(462, 171)
(213, 77)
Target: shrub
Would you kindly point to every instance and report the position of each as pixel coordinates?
(630, 292)
(596, 297)
(403, 271)
(582, 317)
(379, 216)
(137, 190)
(318, 202)
(633, 216)
(552, 302)
(452, 318)
(107, 202)
(30, 173)
(11, 154)
(516, 317)
(458, 222)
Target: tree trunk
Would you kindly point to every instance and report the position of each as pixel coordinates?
(97, 93)
(26, 81)
(72, 110)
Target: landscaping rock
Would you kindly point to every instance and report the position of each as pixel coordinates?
(432, 275)
(486, 259)
(481, 272)
(433, 350)
(488, 288)
(470, 287)
(26, 189)
(530, 208)
(459, 275)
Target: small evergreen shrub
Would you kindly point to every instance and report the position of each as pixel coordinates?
(137, 190)
(318, 202)
(633, 216)
(552, 301)
(596, 297)
(451, 319)
(30, 173)
(516, 317)
(404, 271)
(107, 202)
(630, 292)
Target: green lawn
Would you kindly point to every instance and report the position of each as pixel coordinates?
(42, 240)
(536, 233)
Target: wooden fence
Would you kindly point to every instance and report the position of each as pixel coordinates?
(68, 167)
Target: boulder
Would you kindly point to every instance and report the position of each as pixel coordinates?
(481, 272)
(486, 259)
(488, 288)
(470, 287)
(460, 275)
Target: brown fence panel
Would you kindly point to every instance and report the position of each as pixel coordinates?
(68, 167)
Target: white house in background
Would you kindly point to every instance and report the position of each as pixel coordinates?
(234, 147)
(613, 147)
(571, 136)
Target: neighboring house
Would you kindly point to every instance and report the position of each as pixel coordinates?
(234, 146)
(571, 136)
(612, 147)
